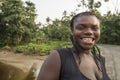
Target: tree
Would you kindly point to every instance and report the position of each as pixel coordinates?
(110, 29)
(91, 5)
(17, 22)
(58, 29)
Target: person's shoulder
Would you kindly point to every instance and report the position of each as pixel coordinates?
(52, 58)
(62, 49)
(53, 53)
(56, 52)
(51, 67)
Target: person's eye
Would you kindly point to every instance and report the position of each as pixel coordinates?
(80, 27)
(95, 28)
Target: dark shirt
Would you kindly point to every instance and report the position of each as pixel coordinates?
(69, 69)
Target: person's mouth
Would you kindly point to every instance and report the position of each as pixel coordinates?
(87, 39)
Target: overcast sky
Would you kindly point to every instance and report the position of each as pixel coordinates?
(55, 8)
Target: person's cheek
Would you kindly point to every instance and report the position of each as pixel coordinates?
(97, 36)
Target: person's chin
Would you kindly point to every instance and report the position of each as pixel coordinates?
(87, 46)
(86, 43)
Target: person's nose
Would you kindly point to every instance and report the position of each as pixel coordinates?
(88, 31)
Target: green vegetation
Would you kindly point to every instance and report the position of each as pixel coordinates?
(17, 22)
(41, 49)
(18, 28)
(110, 29)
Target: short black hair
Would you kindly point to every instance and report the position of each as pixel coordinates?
(87, 13)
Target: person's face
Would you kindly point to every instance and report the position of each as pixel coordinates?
(86, 31)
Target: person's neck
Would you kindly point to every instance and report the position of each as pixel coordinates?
(81, 51)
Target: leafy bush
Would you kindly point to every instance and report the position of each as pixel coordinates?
(6, 48)
(20, 49)
(110, 29)
(28, 49)
(41, 49)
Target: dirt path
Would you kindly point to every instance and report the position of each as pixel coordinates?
(112, 55)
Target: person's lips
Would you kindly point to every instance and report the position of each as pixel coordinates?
(87, 39)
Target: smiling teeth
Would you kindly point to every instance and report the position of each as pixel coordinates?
(87, 39)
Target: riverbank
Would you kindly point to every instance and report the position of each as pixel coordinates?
(20, 60)
(17, 66)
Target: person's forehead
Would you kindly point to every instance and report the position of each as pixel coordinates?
(90, 19)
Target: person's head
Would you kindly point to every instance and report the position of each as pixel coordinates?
(85, 29)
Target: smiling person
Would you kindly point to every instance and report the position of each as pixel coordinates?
(83, 61)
